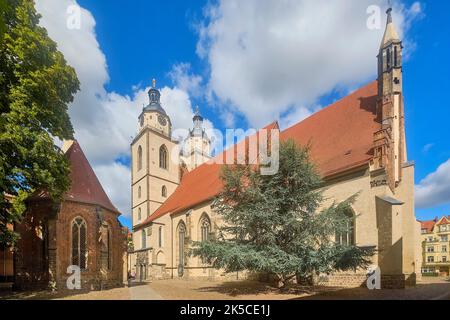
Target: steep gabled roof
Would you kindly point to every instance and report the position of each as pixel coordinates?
(444, 220)
(85, 186)
(340, 135)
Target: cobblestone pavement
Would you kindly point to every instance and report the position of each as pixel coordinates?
(429, 289)
(435, 289)
(143, 292)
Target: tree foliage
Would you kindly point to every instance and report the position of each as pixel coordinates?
(273, 224)
(36, 87)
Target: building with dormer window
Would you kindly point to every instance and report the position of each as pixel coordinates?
(436, 247)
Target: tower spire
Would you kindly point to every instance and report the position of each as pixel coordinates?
(392, 146)
(390, 34)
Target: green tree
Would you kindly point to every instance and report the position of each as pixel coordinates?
(273, 224)
(36, 87)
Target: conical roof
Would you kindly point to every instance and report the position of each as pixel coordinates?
(85, 186)
(390, 34)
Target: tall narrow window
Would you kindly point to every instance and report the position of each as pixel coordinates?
(395, 56)
(163, 157)
(348, 237)
(164, 192)
(388, 58)
(205, 229)
(139, 214)
(110, 246)
(106, 256)
(139, 192)
(144, 239)
(160, 237)
(79, 243)
(139, 158)
(181, 239)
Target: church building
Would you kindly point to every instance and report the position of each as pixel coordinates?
(359, 146)
(81, 231)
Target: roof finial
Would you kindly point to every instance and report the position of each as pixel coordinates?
(389, 15)
(154, 83)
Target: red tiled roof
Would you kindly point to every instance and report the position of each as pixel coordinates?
(428, 225)
(340, 136)
(85, 186)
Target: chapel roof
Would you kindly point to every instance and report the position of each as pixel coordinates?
(85, 186)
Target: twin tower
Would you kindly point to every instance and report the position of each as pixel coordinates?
(158, 161)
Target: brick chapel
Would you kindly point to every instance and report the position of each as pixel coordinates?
(82, 230)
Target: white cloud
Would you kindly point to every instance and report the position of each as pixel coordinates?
(426, 148)
(185, 80)
(434, 190)
(115, 179)
(270, 57)
(296, 115)
(105, 122)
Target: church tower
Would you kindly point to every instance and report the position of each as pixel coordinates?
(390, 144)
(155, 163)
(197, 146)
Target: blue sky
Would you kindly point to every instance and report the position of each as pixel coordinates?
(143, 39)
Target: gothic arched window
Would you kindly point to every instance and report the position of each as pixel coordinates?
(348, 237)
(144, 239)
(79, 243)
(139, 158)
(181, 243)
(164, 192)
(163, 157)
(205, 228)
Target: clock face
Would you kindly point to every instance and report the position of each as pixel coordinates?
(162, 120)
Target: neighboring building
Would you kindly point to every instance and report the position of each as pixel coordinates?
(359, 146)
(436, 247)
(82, 230)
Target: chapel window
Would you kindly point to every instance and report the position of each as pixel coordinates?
(79, 243)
